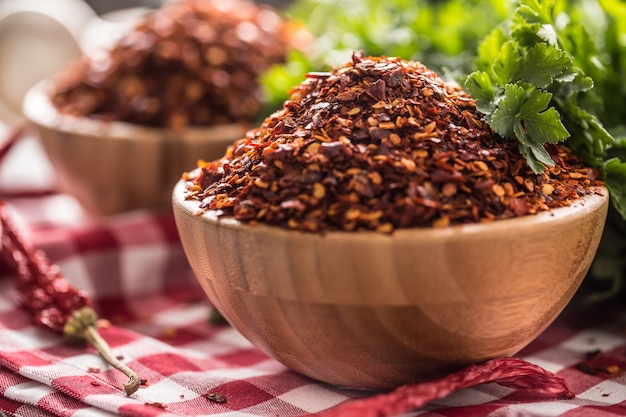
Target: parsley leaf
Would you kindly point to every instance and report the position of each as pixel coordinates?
(528, 118)
(556, 71)
(507, 64)
(536, 84)
(479, 86)
(535, 11)
(542, 64)
(507, 112)
(541, 123)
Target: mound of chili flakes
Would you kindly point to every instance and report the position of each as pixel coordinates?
(379, 144)
(191, 62)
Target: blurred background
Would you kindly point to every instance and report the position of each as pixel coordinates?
(38, 38)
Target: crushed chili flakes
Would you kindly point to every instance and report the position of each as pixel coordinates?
(191, 62)
(215, 397)
(379, 144)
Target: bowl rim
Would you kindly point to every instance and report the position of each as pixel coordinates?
(595, 200)
(37, 109)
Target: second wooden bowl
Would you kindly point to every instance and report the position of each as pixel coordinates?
(112, 167)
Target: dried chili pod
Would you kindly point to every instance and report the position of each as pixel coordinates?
(51, 300)
(508, 371)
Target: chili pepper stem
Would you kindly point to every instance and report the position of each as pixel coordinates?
(82, 325)
(94, 338)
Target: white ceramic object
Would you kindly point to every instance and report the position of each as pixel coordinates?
(38, 38)
(374, 311)
(113, 167)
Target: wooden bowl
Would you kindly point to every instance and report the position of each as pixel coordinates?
(112, 167)
(374, 311)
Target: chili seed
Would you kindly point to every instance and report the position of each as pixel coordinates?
(498, 190)
(319, 191)
(547, 189)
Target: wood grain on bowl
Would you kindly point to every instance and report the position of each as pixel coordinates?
(374, 311)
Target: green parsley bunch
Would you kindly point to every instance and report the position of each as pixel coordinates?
(541, 71)
(553, 73)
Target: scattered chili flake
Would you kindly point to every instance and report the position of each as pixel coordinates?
(190, 62)
(379, 144)
(95, 383)
(592, 354)
(93, 369)
(169, 332)
(610, 370)
(215, 397)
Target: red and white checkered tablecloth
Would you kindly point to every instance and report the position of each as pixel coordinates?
(134, 269)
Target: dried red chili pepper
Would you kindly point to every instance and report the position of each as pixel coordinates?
(51, 300)
(507, 371)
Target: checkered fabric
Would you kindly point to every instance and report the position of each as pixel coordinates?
(135, 271)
